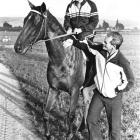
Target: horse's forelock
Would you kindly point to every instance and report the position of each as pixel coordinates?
(37, 8)
(40, 9)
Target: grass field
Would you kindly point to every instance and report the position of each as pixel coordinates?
(30, 70)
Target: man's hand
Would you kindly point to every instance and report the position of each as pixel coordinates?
(68, 43)
(117, 91)
(69, 31)
(77, 30)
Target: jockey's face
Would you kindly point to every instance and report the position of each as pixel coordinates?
(79, 1)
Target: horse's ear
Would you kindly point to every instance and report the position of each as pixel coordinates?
(31, 5)
(43, 7)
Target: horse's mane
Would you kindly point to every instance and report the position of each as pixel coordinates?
(53, 19)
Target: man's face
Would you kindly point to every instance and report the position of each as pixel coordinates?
(107, 44)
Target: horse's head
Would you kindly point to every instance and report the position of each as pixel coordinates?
(33, 28)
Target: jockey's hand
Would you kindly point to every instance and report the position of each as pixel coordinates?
(77, 30)
(69, 31)
(68, 43)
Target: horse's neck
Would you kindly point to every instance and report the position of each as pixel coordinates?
(55, 47)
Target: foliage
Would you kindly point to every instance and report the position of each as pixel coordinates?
(9, 27)
(105, 25)
(6, 25)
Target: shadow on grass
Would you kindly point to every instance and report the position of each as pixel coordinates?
(12, 98)
(33, 107)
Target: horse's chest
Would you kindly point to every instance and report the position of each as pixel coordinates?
(58, 77)
(70, 60)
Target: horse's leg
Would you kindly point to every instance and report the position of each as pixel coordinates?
(45, 119)
(86, 99)
(50, 100)
(73, 102)
(87, 96)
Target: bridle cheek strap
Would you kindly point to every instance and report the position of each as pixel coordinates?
(44, 22)
(45, 28)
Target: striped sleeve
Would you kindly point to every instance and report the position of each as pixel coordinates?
(94, 18)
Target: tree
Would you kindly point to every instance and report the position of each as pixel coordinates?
(100, 27)
(6, 25)
(105, 25)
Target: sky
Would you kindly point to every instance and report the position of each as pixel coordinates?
(126, 10)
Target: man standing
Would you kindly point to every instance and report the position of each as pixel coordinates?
(82, 18)
(113, 77)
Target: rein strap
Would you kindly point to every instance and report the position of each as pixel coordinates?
(35, 11)
(59, 36)
(54, 38)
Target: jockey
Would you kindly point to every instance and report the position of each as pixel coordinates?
(82, 18)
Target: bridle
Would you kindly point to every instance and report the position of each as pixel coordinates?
(45, 36)
(44, 22)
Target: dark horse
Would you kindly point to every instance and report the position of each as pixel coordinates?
(65, 70)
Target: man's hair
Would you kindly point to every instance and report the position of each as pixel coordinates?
(117, 38)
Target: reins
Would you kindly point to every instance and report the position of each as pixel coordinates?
(56, 37)
(44, 40)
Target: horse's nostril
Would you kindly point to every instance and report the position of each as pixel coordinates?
(18, 49)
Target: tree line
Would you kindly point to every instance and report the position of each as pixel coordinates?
(105, 26)
(8, 27)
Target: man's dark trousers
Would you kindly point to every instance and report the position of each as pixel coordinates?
(113, 108)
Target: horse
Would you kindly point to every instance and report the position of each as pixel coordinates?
(66, 69)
